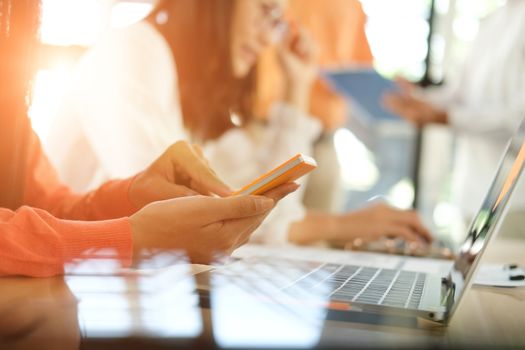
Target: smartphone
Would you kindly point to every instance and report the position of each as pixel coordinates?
(289, 171)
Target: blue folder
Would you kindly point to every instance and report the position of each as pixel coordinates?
(364, 88)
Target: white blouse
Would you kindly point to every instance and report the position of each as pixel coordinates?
(122, 111)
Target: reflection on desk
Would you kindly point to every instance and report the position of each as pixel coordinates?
(162, 309)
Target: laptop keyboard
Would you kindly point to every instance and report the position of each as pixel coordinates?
(336, 282)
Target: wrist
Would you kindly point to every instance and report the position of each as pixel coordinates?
(133, 197)
(298, 95)
(136, 237)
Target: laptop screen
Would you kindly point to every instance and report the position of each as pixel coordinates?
(490, 214)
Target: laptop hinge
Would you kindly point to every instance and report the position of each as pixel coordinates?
(447, 292)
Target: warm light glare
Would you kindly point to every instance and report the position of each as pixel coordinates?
(126, 13)
(72, 22)
(397, 46)
(466, 28)
(48, 91)
(446, 213)
(402, 194)
(358, 169)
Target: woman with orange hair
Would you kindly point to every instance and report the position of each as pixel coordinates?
(189, 69)
(44, 225)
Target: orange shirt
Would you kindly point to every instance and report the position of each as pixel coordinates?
(338, 29)
(38, 238)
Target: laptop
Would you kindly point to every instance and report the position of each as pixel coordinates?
(373, 290)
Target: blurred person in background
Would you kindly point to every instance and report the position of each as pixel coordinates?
(337, 27)
(483, 105)
(44, 225)
(189, 71)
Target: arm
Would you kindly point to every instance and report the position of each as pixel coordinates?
(44, 190)
(180, 171)
(491, 119)
(485, 114)
(34, 243)
(366, 224)
(485, 98)
(499, 110)
(315, 227)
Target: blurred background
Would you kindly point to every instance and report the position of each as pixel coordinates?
(422, 40)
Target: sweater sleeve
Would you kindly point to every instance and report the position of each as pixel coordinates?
(44, 190)
(39, 241)
(35, 243)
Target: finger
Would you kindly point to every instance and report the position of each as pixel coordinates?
(400, 106)
(404, 84)
(304, 44)
(402, 231)
(394, 102)
(199, 188)
(196, 185)
(281, 191)
(257, 221)
(245, 230)
(198, 170)
(167, 190)
(238, 207)
(412, 219)
(240, 230)
(204, 177)
(234, 233)
(293, 29)
(354, 244)
(198, 149)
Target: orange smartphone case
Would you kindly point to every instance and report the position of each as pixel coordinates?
(289, 171)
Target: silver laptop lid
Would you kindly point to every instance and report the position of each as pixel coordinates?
(488, 219)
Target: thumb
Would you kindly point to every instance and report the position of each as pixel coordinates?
(220, 209)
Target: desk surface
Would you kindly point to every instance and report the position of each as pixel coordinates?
(162, 311)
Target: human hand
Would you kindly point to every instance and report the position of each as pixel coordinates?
(297, 55)
(405, 85)
(180, 171)
(202, 226)
(411, 108)
(379, 221)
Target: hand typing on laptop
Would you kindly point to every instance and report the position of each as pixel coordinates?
(375, 222)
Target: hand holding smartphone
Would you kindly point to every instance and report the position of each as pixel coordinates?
(288, 171)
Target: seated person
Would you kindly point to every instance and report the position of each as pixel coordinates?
(43, 224)
(187, 71)
(483, 105)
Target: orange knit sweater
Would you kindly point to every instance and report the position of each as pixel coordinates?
(56, 226)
